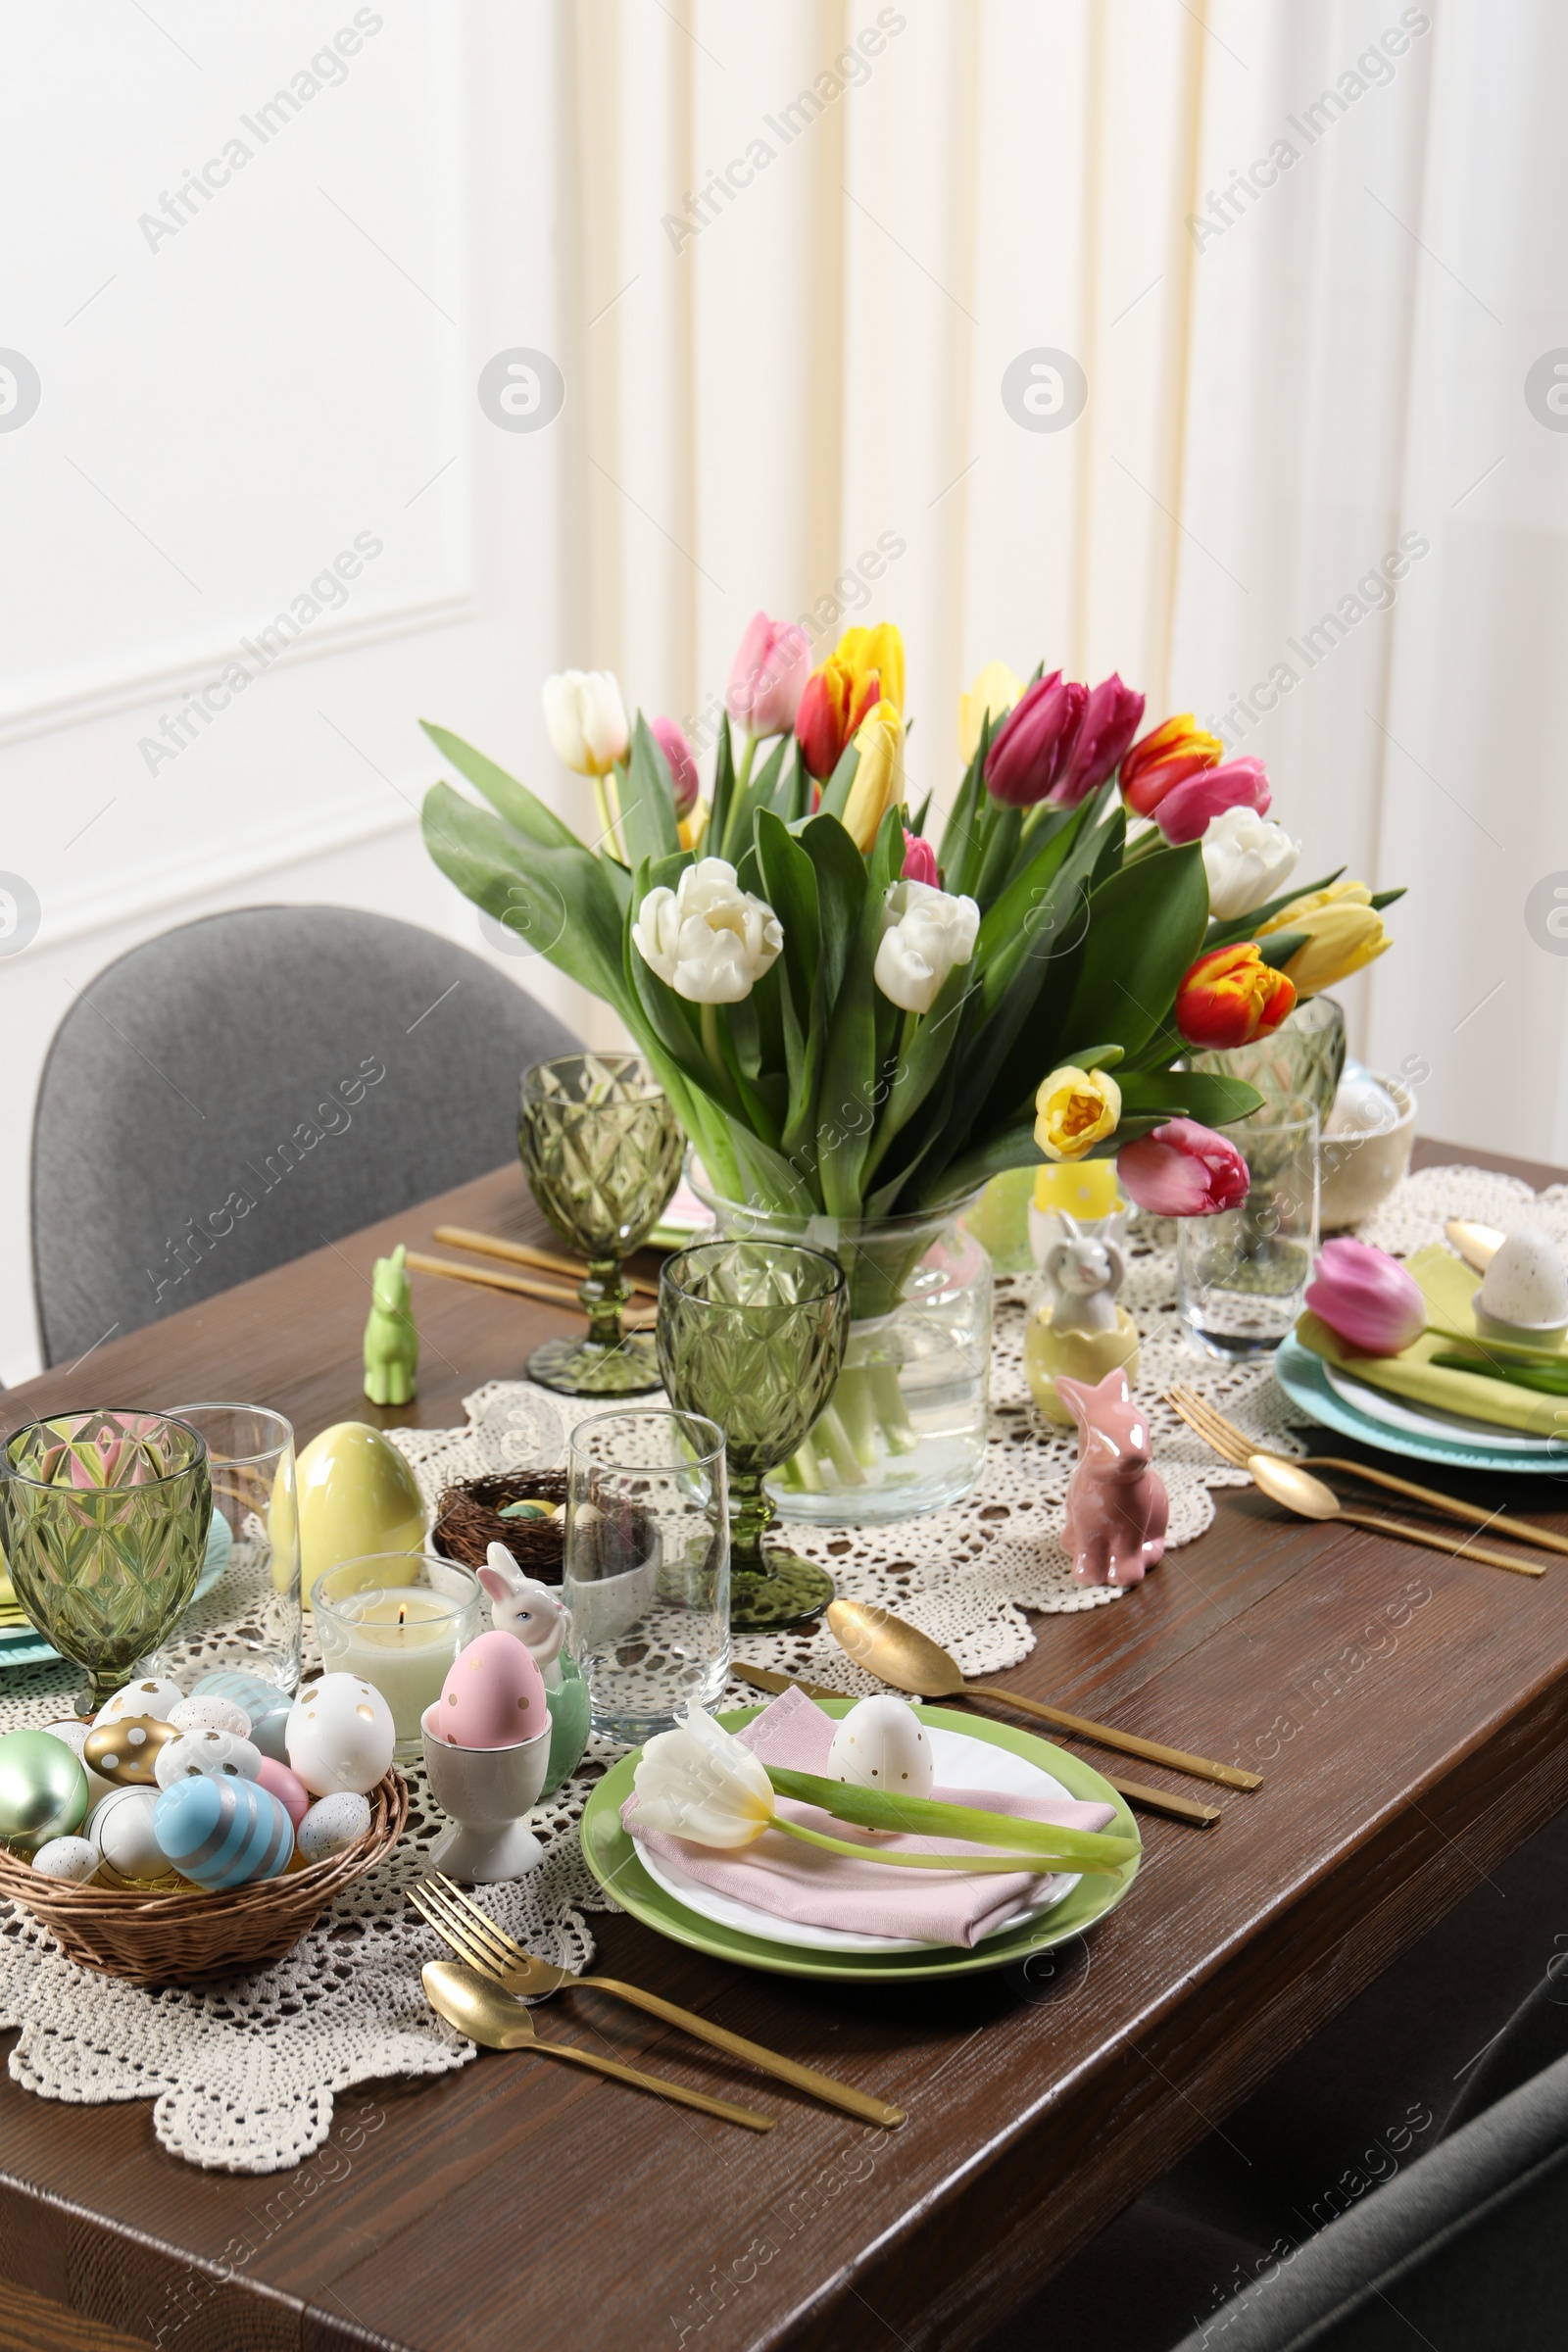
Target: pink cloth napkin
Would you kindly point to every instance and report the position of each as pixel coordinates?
(796, 1881)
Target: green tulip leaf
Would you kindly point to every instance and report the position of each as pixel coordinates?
(648, 824)
(523, 810)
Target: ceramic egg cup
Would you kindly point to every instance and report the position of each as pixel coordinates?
(488, 1791)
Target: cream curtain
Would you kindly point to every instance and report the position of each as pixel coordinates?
(1297, 262)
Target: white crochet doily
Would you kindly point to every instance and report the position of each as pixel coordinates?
(243, 2075)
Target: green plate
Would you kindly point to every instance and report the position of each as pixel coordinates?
(612, 1855)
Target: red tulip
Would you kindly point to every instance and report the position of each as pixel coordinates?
(1178, 747)
(1184, 813)
(682, 766)
(833, 702)
(1183, 1170)
(919, 861)
(1035, 742)
(1107, 726)
(1230, 996)
(1366, 1298)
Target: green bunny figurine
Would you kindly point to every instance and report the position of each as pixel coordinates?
(391, 1342)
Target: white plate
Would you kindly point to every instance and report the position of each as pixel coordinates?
(1396, 1412)
(961, 1763)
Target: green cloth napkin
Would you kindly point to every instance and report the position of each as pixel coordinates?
(1448, 1286)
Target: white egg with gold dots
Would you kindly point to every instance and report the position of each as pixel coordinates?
(881, 1744)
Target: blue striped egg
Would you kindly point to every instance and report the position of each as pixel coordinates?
(263, 1702)
(222, 1833)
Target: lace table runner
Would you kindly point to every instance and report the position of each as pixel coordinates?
(243, 2075)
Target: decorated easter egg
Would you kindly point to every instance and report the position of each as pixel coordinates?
(332, 1824)
(121, 1828)
(152, 1698)
(74, 1732)
(71, 1860)
(881, 1744)
(340, 1735)
(210, 1713)
(263, 1702)
(43, 1789)
(224, 1833)
(1525, 1284)
(219, 1755)
(126, 1749)
(493, 1697)
(288, 1788)
(356, 1495)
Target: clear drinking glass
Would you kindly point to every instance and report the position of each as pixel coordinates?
(753, 1334)
(245, 1615)
(103, 1521)
(647, 1575)
(602, 1150)
(397, 1619)
(1242, 1275)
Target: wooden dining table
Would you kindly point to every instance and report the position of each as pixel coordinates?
(1408, 1713)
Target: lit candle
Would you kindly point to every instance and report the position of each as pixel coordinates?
(398, 1621)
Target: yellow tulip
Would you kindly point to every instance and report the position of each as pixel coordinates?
(994, 691)
(880, 649)
(878, 784)
(1074, 1110)
(1345, 932)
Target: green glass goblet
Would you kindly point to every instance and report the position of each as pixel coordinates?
(602, 1150)
(104, 1516)
(753, 1334)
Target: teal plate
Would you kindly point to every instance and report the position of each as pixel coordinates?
(612, 1857)
(1301, 1375)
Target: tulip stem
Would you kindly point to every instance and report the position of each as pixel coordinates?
(714, 1054)
(1041, 1865)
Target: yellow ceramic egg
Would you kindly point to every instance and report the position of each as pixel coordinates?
(356, 1494)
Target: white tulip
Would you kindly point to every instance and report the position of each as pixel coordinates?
(925, 931)
(708, 939)
(1247, 858)
(697, 1781)
(586, 719)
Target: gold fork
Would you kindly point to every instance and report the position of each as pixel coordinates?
(1235, 1446)
(486, 1947)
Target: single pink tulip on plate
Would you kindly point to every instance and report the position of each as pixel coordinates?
(1366, 1298)
(1183, 1170)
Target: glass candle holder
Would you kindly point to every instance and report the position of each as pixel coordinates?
(244, 1617)
(1242, 1275)
(397, 1619)
(602, 1150)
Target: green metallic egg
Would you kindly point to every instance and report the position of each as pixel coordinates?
(43, 1789)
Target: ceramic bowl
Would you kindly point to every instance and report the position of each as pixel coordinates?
(487, 1791)
(1361, 1166)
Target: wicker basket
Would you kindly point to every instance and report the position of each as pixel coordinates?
(467, 1521)
(189, 1938)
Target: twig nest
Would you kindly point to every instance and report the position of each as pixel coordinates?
(882, 1743)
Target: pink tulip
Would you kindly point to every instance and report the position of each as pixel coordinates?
(919, 861)
(1185, 812)
(1107, 726)
(1035, 742)
(1366, 1298)
(682, 766)
(768, 675)
(1183, 1170)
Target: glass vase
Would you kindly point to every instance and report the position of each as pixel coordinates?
(1304, 1056)
(904, 1431)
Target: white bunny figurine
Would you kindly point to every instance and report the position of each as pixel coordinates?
(532, 1612)
(1083, 1275)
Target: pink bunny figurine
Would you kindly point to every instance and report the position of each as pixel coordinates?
(1116, 1504)
(532, 1612)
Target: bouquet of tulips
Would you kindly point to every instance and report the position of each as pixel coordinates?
(855, 1015)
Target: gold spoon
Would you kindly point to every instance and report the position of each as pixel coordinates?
(489, 2016)
(1300, 1492)
(901, 1654)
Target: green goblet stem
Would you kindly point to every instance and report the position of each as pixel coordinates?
(603, 1296)
(752, 1514)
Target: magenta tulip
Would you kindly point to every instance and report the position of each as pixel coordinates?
(1185, 812)
(1366, 1298)
(768, 675)
(1108, 724)
(1035, 742)
(919, 861)
(682, 766)
(1183, 1170)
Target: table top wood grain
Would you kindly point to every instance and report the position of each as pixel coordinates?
(1410, 1718)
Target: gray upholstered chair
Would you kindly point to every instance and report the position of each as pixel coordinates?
(246, 1088)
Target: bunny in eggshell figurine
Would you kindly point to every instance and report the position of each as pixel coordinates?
(1117, 1502)
(541, 1621)
(1079, 1331)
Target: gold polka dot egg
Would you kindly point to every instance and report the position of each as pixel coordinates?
(340, 1736)
(881, 1744)
(493, 1697)
(125, 1749)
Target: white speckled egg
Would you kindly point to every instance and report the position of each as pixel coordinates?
(1525, 1284)
(340, 1736)
(210, 1713)
(74, 1732)
(155, 1698)
(73, 1860)
(207, 1755)
(331, 1824)
(121, 1829)
(882, 1743)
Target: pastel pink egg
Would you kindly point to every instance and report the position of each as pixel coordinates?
(493, 1697)
(288, 1788)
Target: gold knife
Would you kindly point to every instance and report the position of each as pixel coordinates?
(1154, 1800)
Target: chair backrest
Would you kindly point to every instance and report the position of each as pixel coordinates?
(246, 1088)
(1463, 2252)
